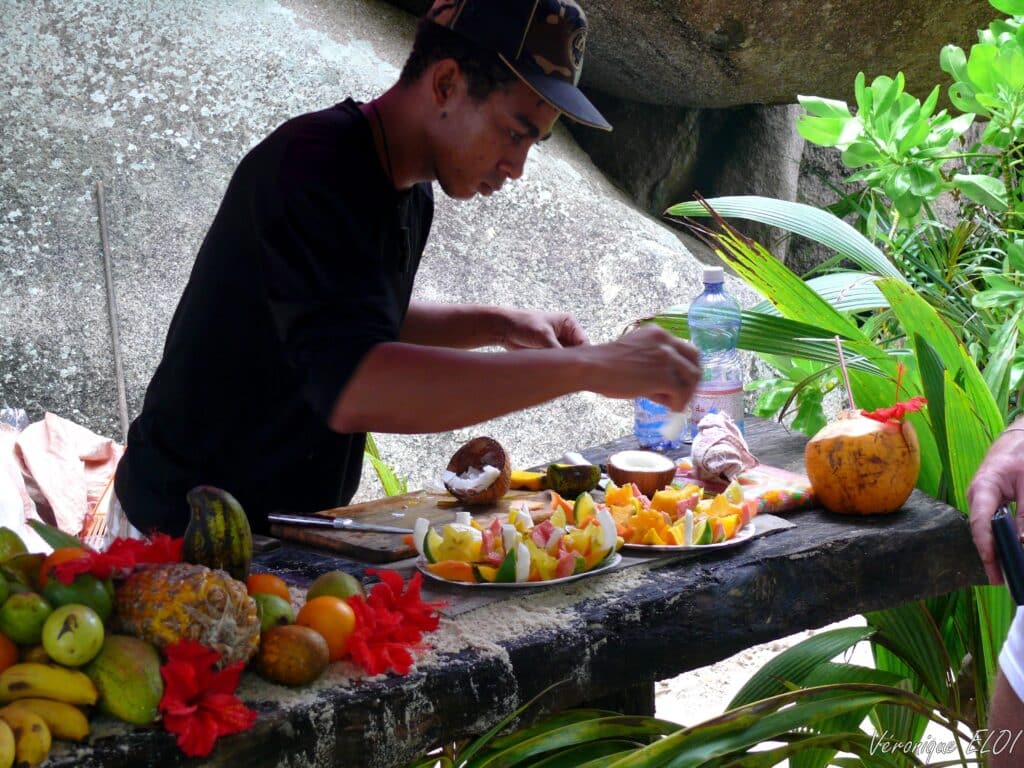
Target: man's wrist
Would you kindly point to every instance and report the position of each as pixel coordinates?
(494, 324)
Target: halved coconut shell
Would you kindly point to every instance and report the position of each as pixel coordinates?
(479, 452)
(650, 471)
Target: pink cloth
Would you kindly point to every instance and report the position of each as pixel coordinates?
(66, 469)
(719, 451)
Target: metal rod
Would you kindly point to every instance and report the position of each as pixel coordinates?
(115, 326)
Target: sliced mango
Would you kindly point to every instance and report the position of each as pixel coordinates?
(453, 570)
(522, 480)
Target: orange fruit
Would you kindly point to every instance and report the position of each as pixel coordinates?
(333, 618)
(267, 584)
(55, 558)
(8, 652)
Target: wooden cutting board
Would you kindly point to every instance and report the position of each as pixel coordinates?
(400, 511)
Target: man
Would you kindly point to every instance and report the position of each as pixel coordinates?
(999, 480)
(296, 335)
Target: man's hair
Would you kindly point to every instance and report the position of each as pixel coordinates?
(484, 71)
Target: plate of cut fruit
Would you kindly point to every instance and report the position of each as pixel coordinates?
(515, 553)
(678, 518)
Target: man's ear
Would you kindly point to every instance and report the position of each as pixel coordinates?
(444, 81)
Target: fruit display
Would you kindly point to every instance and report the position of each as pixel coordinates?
(516, 550)
(169, 602)
(480, 472)
(865, 463)
(140, 634)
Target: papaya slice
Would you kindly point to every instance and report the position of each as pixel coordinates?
(453, 570)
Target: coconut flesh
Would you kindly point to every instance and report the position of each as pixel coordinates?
(474, 479)
(648, 470)
(480, 472)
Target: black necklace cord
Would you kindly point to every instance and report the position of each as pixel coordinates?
(384, 141)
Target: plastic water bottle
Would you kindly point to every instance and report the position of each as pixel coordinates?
(714, 320)
(653, 425)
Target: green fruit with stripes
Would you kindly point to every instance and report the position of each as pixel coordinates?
(218, 534)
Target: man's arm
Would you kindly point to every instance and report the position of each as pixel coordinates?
(400, 387)
(469, 326)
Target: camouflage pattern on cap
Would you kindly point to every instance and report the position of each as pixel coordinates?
(553, 41)
(543, 41)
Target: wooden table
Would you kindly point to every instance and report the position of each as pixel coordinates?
(607, 636)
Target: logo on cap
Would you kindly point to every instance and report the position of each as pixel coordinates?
(577, 46)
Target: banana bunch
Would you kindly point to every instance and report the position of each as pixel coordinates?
(40, 706)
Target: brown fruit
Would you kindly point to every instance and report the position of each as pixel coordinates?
(478, 453)
(292, 655)
(861, 466)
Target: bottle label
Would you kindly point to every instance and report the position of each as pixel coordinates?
(719, 400)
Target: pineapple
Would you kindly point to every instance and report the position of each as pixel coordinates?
(169, 602)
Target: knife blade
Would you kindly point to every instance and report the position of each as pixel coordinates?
(337, 523)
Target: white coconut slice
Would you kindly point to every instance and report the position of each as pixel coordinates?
(473, 480)
(609, 535)
(522, 563)
(463, 518)
(509, 537)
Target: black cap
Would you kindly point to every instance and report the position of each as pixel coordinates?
(542, 41)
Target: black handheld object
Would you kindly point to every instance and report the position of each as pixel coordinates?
(1010, 551)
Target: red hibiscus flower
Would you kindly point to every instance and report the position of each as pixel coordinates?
(121, 555)
(199, 705)
(390, 623)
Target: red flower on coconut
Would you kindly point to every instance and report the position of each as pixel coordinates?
(898, 411)
(199, 705)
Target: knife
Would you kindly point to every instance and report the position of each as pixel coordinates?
(338, 523)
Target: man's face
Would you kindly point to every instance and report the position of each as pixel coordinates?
(481, 144)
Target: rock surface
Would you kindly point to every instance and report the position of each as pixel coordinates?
(722, 53)
(160, 101)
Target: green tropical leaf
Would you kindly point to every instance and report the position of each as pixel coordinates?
(799, 218)
(933, 380)
(550, 723)
(980, 66)
(863, 94)
(844, 291)
(969, 439)
(918, 318)
(796, 663)
(988, 191)
(910, 632)
(832, 673)
(953, 61)
(391, 484)
(1000, 361)
(618, 727)
(1009, 7)
(597, 753)
(824, 131)
(767, 334)
(820, 107)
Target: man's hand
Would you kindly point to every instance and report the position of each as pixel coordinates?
(530, 329)
(999, 479)
(648, 362)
